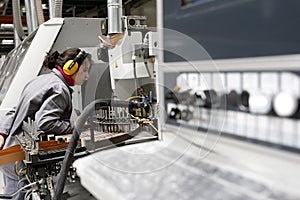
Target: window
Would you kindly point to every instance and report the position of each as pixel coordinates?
(12, 63)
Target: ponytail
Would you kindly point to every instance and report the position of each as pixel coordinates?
(50, 60)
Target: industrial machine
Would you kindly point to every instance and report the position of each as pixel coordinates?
(117, 150)
(120, 97)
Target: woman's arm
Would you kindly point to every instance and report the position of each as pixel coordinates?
(5, 125)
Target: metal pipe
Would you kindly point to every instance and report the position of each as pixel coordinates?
(58, 4)
(55, 8)
(33, 15)
(114, 15)
(17, 39)
(28, 16)
(50, 9)
(39, 12)
(17, 19)
(4, 7)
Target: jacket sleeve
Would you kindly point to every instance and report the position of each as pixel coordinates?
(6, 122)
(49, 117)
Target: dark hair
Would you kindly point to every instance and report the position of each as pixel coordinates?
(54, 59)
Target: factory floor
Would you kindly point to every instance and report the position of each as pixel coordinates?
(189, 164)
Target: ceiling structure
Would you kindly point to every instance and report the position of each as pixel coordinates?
(71, 8)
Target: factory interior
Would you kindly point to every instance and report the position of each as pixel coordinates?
(186, 99)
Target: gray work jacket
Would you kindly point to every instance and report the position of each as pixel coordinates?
(48, 100)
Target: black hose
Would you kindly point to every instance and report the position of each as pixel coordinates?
(68, 159)
(6, 196)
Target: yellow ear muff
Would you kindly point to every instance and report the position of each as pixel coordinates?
(70, 67)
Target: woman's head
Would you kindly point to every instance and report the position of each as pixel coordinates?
(83, 59)
(83, 72)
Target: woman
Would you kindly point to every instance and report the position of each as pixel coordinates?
(48, 101)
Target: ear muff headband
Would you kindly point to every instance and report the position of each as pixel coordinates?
(72, 66)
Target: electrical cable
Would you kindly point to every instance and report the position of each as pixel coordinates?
(20, 181)
(28, 195)
(9, 196)
(135, 76)
(19, 171)
(134, 97)
(147, 68)
(143, 121)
